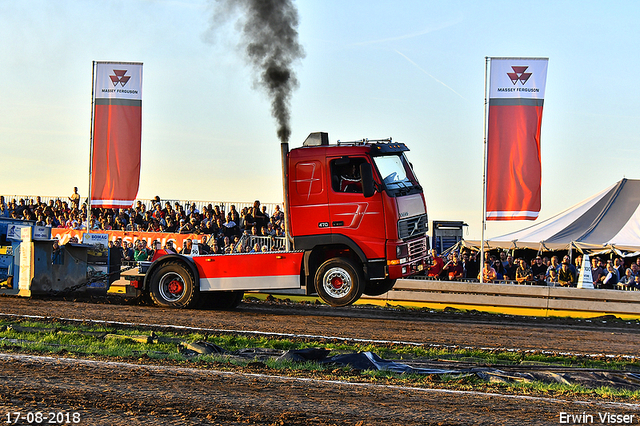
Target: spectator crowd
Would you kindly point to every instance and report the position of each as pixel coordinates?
(540, 270)
(212, 224)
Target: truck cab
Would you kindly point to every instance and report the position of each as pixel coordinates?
(357, 211)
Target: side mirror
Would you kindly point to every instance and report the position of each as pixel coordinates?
(368, 184)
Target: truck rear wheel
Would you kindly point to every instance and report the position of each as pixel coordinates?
(339, 282)
(173, 285)
(378, 287)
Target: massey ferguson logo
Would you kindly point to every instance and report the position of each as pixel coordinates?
(518, 75)
(121, 78)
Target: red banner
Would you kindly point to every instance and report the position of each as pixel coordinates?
(117, 130)
(514, 170)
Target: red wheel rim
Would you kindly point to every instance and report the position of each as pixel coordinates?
(175, 287)
(337, 282)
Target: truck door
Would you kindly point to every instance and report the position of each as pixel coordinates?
(308, 199)
(351, 214)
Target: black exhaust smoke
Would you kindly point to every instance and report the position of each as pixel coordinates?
(270, 40)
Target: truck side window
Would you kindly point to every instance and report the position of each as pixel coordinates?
(345, 175)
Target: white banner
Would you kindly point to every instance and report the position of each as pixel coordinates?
(518, 78)
(118, 80)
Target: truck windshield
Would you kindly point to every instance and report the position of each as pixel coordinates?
(396, 174)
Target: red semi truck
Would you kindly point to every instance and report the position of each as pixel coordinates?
(356, 221)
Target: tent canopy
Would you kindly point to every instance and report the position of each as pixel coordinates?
(609, 220)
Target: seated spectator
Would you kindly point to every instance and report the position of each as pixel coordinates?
(187, 245)
(510, 269)
(523, 273)
(141, 253)
(454, 269)
(627, 279)
(168, 247)
(499, 268)
(185, 227)
(488, 273)
(539, 270)
(566, 278)
(555, 265)
(552, 277)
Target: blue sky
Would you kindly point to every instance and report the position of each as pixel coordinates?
(411, 70)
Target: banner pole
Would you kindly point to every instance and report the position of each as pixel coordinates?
(93, 97)
(484, 173)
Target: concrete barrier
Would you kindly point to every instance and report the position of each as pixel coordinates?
(549, 300)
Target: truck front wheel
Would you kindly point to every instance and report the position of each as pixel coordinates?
(339, 282)
(378, 287)
(173, 286)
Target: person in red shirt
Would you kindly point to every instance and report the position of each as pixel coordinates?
(454, 268)
(436, 264)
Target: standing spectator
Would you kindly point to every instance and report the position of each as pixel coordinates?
(552, 278)
(470, 264)
(436, 264)
(597, 271)
(75, 198)
(278, 217)
(578, 265)
(503, 258)
(259, 216)
(230, 227)
(611, 278)
(618, 265)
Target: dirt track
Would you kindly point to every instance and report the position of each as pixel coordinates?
(119, 393)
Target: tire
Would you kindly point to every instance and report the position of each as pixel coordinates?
(339, 282)
(173, 286)
(223, 300)
(378, 287)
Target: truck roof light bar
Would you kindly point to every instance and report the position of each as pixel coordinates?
(386, 148)
(365, 141)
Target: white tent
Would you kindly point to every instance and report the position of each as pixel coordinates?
(609, 220)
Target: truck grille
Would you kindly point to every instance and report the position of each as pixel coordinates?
(417, 248)
(412, 227)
